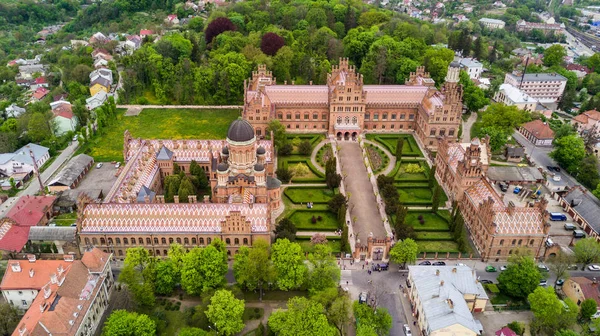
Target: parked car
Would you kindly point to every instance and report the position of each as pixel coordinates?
(570, 226)
(380, 267)
(543, 283)
(543, 268)
(579, 234)
(594, 267)
(503, 186)
(439, 263)
(486, 282)
(118, 165)
(99, 165)
(573, 267)
(490, 269)
(425, 263)
(460, 264)
(406, 329)
(517, 190)
(556, 169)
(362, 297)
(556, 178)
(75, 137)
(560, 282)
(503, 268)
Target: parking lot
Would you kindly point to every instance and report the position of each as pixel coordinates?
(99, 178)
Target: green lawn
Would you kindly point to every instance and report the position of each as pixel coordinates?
(409, 148)
(174, 320)
(433, 235)
(160, 124)
(404, 176)
(253, 313)
(308, 175)
(415, 195)
(303, 220)
(304, 195)
(65, 219)
(441, 246)
(432, 221)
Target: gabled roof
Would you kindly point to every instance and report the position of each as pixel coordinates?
(506, 331)
(145, 191)
(72, 171)
(29, 210)
(22, 154)
(539, 129)
(40, 93)
(100, 81)
(586, 206)
(41, 80)
(52, 233)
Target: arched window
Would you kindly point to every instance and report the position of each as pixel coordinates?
(245, 241)
(498, 253)
(208, 240)
(258, 132)
(110, 241)
(186, 241)
(531, 242)
(102, 241)
(347, 120)
(155, 241)
(367, 116)
(87, 241)
(514, 242)
(385, 116)
(298, 115)
(201, 241)
(442, 132)
(510, 252)
(163, 240)
(432, 132)
(339, 120)
(228, 252)
(118, 240)
(194, 241)
(170, 240)
(306, 116)
(125, 241)
(132, 241)
(354, 120)
(520, 242)
(165, 252)
(237, 241)
(502, 242)
(94, 241)
(120, 252)
(178, 240)
(451, 132)
(157, 252)
(148, 241)
(227, 241)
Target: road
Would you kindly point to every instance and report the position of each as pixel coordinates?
(466, 127)
(34, 186)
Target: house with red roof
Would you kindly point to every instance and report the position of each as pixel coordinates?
(506, 331)
(101, 53)
(538, 132)
(40, 93)
(145, 32)
(172, 19)
(580, 70)
(64, 118)
(588, 121)
(38, 83)
(27, 212)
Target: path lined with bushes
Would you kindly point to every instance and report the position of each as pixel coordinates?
(392, 158)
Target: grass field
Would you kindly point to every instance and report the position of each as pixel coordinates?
(303, 220)
(160, 124)
(409, 148)
(408, 195)
(434, 235)
(65, 219)
(437, 246)
(432, 221)
(305, 195)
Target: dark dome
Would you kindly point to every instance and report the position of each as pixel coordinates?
(225, 150)
(240, 131)
(259, 167)
(261, 150)
(222, 167)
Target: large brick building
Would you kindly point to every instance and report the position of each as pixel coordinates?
(498, 222)
(244, 192)
(345, 107)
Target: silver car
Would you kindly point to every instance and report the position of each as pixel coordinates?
(407, 330)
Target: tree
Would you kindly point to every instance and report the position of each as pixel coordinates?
(300, 170)
(302, 317)
(432, 176)
(9, 318)
(549, 313)
(465, 42)
(271, 43)
(253, 268)
(225, 313)
(478, 49)
(186, 189)
(554, 55)
(339, 312)
(196, 24)
(122, 322)
(138, 274)
(568, 152)
(560, 264)
(284, 174)
(216, 27)
(336, 202)
(38, 128)
(399, 148)
(278, 130)
(203, 269)
(587, 251)
(305, 148)
(588, 307)
(288, 260)
(192, 332)
(198, 172)
(324, 272)
(167, 276)
(332, 178)
(404, 252)
(378, 319)
(436, 199)
(521, 277)
(285, 229)
(566, 332)
(588, 172)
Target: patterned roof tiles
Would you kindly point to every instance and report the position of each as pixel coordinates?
(298, 94)
(382, 94)
(169, 217)
(456, 153)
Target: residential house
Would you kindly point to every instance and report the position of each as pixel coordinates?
(546, 87)
(468, 8)
(64, 118)
(514, 153)
(101, 73)
(22, 82)
(587, 121)
(521, 52)
(101, 53)
(512, 96)
(27, 212)
(96, 100)
(20, 162)
(538, 132)
(584, 208)
(145, 32)
(547, 28)
(443, 299)
(172, 19)
(98, 38)
(191, 5)
(472, 67)
(580, 70)
(62, 96)
(100, 63)
(506, 331)
(460, 18)
(492, 23)
(99, 84)
(38, 83)
(483, 83)
(39, 94)
(27, 71)
(13, 111)
(79, 43)
(579, 289)
(70, 176)
(499, 4)
(70, 296)
(134, 42)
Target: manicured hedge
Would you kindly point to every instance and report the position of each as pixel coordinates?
(411, 148)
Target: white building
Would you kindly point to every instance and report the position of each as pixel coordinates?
(492, 23)
(511, 96)
(104, 73)
(443, 299)
(96, 100)
(472, 66)
(20, 161)
(546, 87)
(13, 111)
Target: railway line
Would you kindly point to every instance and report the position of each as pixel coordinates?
(588, 40)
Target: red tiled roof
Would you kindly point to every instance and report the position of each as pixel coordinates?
(30, 210)
(582, 118)
(539, 129)
(63, 110)
(40, 93)
(578, 67)
(95, 260)
(146, 32)
(506, 331)
(41, 80)
(42, 269)
(589, 289)
(593, 114)
(13, 237)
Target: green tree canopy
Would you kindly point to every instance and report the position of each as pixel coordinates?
(587, 250)
(288, 260)
(323, 269)
(203, 269)
(554, 55)
(404, 252)
(122, 322)
(303, 317)
(569, 151)
(252, 267)
(378, 319)
(521, 277)
(225, 313)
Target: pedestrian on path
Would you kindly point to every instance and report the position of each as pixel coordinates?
(363, 266)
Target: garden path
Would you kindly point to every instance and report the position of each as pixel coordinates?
(313, 156)
(269, 307)
(362, 203)
(312, 233)
(392, 162)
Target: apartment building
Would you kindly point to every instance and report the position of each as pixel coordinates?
(546, 87)
(492, 23)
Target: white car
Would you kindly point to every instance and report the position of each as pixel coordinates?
(118, 165)
(99, 165)
(594, 268)
(503, 268)
(75, 138)
(407, 330)
(543, 283)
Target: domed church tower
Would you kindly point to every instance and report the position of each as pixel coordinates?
(242, 147)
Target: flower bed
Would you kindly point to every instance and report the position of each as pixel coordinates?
(377, 158)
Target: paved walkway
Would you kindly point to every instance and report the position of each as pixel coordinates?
(133, 110)
(392, 162)
(466, 130)
(362, 203)
(312, 233)
(313, 156)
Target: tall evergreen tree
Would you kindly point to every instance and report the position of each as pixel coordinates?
(435, 201)
(478, 48)
(350, 21)
(399, 147)
(432, 176)
(465, 42)
(492, 55)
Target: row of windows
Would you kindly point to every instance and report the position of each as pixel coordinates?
(257, 118)
(385, 116)
(347, 120)
(514, 241)
(315, 116)
(163, 241)
(324, 126)
(442, 132)
(392, 126)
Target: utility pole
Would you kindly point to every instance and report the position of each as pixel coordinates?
(37, 172)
